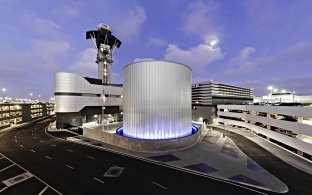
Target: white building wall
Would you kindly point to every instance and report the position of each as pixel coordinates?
(75, 83)
(157, 100)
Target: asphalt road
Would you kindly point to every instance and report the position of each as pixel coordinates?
(298, 182)
(71, 168)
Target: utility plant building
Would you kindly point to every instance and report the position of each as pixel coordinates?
(207, 95)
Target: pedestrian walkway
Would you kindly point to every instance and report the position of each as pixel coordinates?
(214, 155)
(287, 156)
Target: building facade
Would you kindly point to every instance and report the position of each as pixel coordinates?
(287, 126)
(157, 100)
(286, 97)
(16, 113)
(207, 95)
(79, 100)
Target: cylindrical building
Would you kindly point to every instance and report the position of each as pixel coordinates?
(157, 100)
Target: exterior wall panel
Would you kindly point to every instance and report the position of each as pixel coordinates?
(157, 100)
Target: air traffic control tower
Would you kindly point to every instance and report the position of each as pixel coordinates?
(104, 42)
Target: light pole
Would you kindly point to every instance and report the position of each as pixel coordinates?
(293, 96)
(30, 96)
(271, 91)
(39, 97)
(3, 92)
(275, 90)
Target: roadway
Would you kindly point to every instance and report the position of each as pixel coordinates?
(62, 167)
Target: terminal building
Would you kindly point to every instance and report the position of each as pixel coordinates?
(79, 100)
(16, 113)
(285, 97)
(207, 95)
(288, 126)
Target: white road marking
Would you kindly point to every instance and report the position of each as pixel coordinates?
(44, 189)
(98, 180)
(15, 136)
(33, 150)
(16, 141)
(32, 134)
(48, 157)
(7, 167)
(53, 145)
(41, 141)
(21, 146)
(33, 175)
(91, 157)
(3, 189)
(17, 179)
(163, 187)
(34, 137)
(69, 150)
(1, 157)
(69, 166)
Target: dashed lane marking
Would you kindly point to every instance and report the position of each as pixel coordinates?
(91, 157)
(163, 187)
(98, 180)
(48, 157)
(41, 141)
(21, 146)
(7, 167)
(69, 150)
(69, 166)
(44, 189)
(33, 150)
(53, 145)
(16, 141)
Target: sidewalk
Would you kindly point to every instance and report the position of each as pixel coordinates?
(214, 155)
(287, 156)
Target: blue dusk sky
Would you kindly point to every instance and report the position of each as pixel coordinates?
(258, 42)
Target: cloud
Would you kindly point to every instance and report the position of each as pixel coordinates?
(198, 57)
(155, 41)
(200, 19)
(142, 59)
(85, 63)
(129, 22)
(36, 25)
(66, 11)
(242, 64)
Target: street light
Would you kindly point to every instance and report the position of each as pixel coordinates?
(31, 96)
(293, 96)
(39, 97)
(3, 91)
(271, 90)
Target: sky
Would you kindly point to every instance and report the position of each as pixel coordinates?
(257, 42)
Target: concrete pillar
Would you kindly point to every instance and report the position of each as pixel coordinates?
(268, 116)
(300, 152)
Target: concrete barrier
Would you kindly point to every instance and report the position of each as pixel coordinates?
(143, 145)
